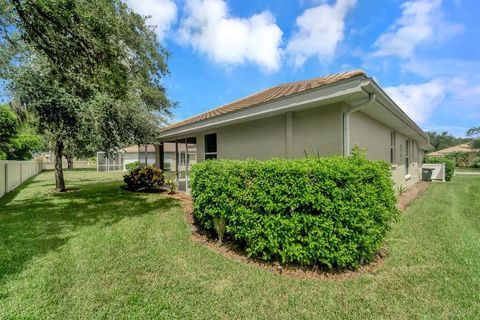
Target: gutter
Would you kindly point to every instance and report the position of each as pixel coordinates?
(346, 121)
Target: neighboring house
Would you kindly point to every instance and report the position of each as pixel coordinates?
(135, 153)
(464, 148)
(322, 116)
(141, 153)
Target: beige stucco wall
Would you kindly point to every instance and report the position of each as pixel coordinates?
(260, 139)
(370, 134)
(374, 136)
(313, 131)
(317, 131)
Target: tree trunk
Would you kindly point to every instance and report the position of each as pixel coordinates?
(69, 161)
(59, 181)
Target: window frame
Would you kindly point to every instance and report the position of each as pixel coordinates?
(407, 156)
(210, 154)
(393, 147)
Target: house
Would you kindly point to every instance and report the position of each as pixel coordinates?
(465, 148)
(321, 116)
(144, 153)
(118, 161)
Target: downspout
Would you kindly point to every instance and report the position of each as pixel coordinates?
(346, 121)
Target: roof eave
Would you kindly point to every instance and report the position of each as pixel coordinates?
(324, 95)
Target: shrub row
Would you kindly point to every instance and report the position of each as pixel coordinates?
(330, 212)
(449, 165)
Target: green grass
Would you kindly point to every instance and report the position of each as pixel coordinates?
(103, 252)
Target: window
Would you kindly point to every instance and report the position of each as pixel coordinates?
(414, 146)
(182, 159)
(392, 147)
(407, 156)
(211, 146)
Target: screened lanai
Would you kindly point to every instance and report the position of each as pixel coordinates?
(176, 159)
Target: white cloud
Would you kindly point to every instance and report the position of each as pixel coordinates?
(320, 30)
(449, 96)
(210, 29)
(163, 13)
(422, 22)
(419, 100)
(461, 76)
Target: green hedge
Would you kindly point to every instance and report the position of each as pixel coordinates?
(331, 211)
(449, 165)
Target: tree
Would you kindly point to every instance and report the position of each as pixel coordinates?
(23, 145)
(444, 140)
(17, 140)
(8, 129)
(90, 70)
(474, 132)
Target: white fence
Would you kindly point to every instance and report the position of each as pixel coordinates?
(438, 172)
(14, 173)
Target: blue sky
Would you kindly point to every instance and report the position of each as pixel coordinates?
(424, 53)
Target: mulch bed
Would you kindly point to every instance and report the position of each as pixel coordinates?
(412, 193)
(230, 251)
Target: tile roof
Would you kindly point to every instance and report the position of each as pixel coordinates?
(464, 147)
(270, 94)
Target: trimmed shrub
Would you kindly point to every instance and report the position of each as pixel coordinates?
(449, 165)
(330, 212)
(147, 179)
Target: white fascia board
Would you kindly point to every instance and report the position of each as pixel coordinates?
(324, 95)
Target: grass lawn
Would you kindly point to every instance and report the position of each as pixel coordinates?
(467, 169)
(102, 252)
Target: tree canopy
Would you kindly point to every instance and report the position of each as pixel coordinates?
(90, 70)
(444, 140)
(475, 133)
(18, 140)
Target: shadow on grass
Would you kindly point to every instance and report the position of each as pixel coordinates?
(35, 225)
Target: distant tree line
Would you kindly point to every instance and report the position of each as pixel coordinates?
(444, 140)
